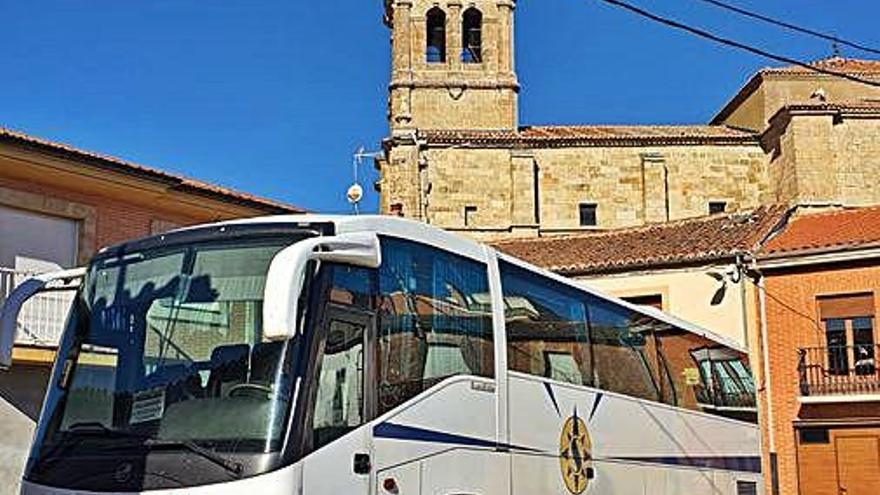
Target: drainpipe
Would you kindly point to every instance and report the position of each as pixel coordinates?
(765, 357)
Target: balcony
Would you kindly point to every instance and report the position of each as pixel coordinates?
(42, 318)
(839, 373)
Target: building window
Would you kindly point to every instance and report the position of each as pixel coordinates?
(716, 207)
(469, 212)
(652, 300)
(436, 36)
(814, 435)
(849, 333)
(472, 37)
(588, 214)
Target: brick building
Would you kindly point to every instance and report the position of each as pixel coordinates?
(458, 158)
(819, 341)
(58, 205)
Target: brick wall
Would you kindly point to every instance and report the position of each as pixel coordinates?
(792, 322)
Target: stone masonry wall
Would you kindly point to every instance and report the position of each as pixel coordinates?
(856, 151)
(627, 183)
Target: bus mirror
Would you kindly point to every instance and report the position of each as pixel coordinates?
(286, 274)
(54, 281)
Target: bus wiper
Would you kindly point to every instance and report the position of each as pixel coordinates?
(97, 428)
(233, 467)
(75, 433)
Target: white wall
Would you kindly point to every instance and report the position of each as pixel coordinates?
(686, 294)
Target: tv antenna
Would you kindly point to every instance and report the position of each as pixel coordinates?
(355, 192)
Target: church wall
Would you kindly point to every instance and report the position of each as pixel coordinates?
(857, 159)
(750, 114)
(823, 159)
(786, 90)
(629, 185)
(464, 178)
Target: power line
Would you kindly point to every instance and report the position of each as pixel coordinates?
(786, 25)
(736, 44)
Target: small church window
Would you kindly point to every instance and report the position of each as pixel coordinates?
(469, 213)
(716, 207)
(436, 49)
(588, 214)
(472, 37)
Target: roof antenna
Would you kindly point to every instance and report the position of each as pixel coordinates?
(835, 49)
(355, 192)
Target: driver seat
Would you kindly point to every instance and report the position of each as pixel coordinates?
(229, 366)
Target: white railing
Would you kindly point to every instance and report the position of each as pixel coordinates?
(42, 318)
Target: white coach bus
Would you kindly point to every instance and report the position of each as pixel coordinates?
(369, 355)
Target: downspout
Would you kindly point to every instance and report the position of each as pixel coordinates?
(771, 437)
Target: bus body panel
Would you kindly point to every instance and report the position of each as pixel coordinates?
(458, 413)
(637, 446)
(286, 481)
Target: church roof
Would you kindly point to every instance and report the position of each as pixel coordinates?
(677, 243)
(850, 66)
(593, 135)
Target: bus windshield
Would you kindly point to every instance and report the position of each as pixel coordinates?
(163, 358)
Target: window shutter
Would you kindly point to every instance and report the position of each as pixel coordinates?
(846, 306)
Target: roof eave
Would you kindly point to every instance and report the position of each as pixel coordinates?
(173, 182)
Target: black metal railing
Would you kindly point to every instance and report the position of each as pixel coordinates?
(839, 370)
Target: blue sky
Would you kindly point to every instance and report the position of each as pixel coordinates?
(273, 96)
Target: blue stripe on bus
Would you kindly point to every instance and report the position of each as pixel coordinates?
(595, 404)
(401, 432)
(750, 464)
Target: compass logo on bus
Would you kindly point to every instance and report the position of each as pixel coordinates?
(575, 457)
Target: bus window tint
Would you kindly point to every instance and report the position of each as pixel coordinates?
(620, 338)
(546, 327)
(435, 320)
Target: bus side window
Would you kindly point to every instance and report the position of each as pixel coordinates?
(546, 327)
(435, 320)
(620, 340)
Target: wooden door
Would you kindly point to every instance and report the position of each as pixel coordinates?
(858, 465)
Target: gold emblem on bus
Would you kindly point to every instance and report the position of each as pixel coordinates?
(575, 459)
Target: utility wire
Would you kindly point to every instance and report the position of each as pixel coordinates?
(786, 25)
(736, 44)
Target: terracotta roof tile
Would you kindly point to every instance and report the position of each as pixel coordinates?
(679, 242)
(594, 135)
(175, 181)
(851, 66)
(838, 230)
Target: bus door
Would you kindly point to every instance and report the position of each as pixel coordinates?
(340, 458)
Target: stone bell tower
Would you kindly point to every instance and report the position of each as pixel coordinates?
(452, 64)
